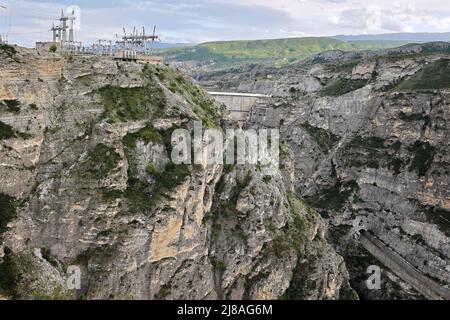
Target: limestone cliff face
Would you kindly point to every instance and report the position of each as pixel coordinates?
(367, 135)
(86, 180)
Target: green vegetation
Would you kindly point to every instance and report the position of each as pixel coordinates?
(12, 270)
(53, 48)
(432, 76)
(375, 152)
(300, 284)
(109, 194)
(335, 197)
(141, 194)
(324, 138)
(58, 294)
(152, 170)
(372, 152)
(239, 187)
(8, 207)
(100, 161)
(171, 177)
(276, 52)
(294, 235)
(147, 134)
(47, 255)
(9, 276)
(8, 50)
(423, 157)
(267, 179)
(8, 132)
(202, 105)
(10, 105)
(346, 67)
(85, 80)
(223, 216)
(219, 265)
(368, 142)
(414, 117)
(132, 104)
(102, 254)
(342, 86)
(428, 50)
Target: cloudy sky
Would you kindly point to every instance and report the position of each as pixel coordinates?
(195, 21)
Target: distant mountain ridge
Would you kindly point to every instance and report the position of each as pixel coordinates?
(274, 52)
(413, 37)
(163, 45)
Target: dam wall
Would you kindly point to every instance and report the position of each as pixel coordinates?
(403, 269)
(239, 104)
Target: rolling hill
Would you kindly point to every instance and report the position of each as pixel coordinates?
(276, 52)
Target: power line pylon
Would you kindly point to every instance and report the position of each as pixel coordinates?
(3, 37)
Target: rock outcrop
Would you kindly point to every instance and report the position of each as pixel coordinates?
(87, 181)
(366, 134)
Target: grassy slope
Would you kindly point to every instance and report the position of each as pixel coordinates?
(432, 76)
(272, 52)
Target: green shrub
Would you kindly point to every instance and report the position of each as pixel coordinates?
(132, 104)
(172, 176)
(11, 105)
(8, 132)
(423, 157)
(342, 86)
(147, 134)
(335, 197)
(47, 255)
(151, 169)
(111, 194)
(8, 50)
(324, 138)
(101, 160)
(202, 105)
(53, 48)
(8, 207)
(9, 274)
(239, 187)
(13, 269)
(219, 265)
(58, 294)
(267, 179)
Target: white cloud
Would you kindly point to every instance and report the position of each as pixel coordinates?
(206, 20)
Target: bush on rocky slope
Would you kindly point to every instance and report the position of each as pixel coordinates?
(432, 76)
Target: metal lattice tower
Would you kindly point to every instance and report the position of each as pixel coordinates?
(3, 37)
(137, 41)
(66, 26)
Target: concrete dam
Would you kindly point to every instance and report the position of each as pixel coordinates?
(239, 104)
(403, 269)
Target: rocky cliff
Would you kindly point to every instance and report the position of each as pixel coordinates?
(366, 134)
(87, 181)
